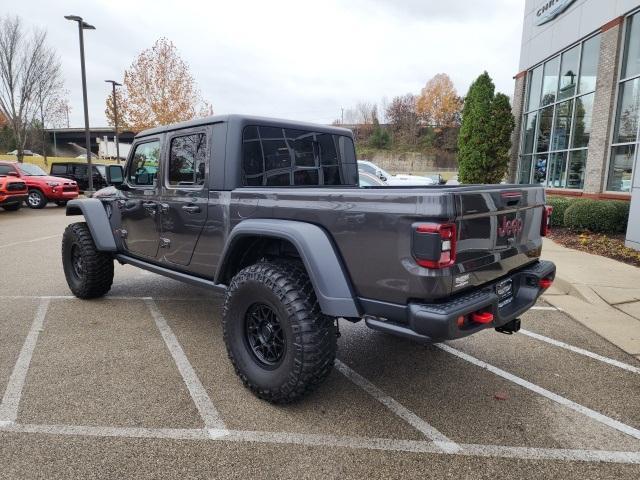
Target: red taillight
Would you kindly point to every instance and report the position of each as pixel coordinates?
(545, 226)
(545, 283)
(447, 233)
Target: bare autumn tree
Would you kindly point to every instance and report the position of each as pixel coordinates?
(439, 104)
(28, 71)
(158, 89)
(401, 114)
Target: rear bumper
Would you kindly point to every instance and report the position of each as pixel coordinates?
(12, 199)
(439, 321)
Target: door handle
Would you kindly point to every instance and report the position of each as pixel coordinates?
(191, 208)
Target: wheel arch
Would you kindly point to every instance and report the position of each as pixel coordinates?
(314, 247)
(96, 217)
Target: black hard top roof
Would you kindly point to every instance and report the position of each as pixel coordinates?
(245, 120)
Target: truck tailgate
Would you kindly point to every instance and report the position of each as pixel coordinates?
(498, 231)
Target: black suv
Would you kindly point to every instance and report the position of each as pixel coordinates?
(78, 172)
(269, 213)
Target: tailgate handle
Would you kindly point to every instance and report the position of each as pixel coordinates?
(511, 198)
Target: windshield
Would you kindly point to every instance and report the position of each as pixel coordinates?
(31, 170)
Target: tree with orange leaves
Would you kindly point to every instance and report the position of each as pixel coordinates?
(158, 89)
(439, 104)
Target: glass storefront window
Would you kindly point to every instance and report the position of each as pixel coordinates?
(627, 117)
(535, 84)
(544, 129)
(589, 65)
(525, 169)
(631, 62)
(558, 131)
(557, 170)
(529, 132)
(569, 73)
(562, 126)
(550, 81)
(583, 121)
(620, 168)
(540, 168)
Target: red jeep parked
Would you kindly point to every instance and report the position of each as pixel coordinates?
(13, 192)
(42, 187)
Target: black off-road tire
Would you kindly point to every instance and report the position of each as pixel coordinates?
(36, 199)
(310, 340)
(89, 272)
(13, 207)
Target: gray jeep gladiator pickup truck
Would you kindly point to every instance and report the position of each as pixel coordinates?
(270, 213)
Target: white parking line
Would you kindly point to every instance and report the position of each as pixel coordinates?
(199, 395)
(598, 417)
(408, 416)
(332, 441)
(30, 241)
(536, 307)
(13, 392)
(581, 351)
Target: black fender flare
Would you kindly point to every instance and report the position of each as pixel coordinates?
(323, 263)
(96, 217)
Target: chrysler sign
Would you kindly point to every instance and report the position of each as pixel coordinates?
(550, 10)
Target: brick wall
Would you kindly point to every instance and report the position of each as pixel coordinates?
(604, 107)
(517, 109)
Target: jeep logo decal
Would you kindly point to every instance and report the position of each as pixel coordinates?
(510, 227)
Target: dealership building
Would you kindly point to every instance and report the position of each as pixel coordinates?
(577, 101)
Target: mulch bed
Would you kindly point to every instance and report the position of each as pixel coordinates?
(611, 246)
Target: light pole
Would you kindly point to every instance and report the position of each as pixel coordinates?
(82, 25)
(115, 84)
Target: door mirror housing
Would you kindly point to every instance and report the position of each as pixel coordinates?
(12, 174)
(115, 175)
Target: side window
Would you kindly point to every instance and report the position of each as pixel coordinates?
(289, 157)
(80, 171)
(143, 168)
(57, 169)
(187, 160)
(6, 169)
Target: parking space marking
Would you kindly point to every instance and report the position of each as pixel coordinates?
(598, 417)
(536, 307)
(13, 392)
(207, 410)
(331, 441)
(581, 351)
(408, 416)
(30, 241)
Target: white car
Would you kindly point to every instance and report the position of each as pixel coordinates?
(393, 180)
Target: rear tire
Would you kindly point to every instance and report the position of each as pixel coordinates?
(36, 199)
(279, 342)
(89, 272)
(61, 203)
(13, 207)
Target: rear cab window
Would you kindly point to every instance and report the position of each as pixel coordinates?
(283, 157)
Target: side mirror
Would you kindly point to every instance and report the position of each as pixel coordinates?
(12, 174)
(115, 175)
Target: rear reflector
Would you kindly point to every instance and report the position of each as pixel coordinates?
(482, 317)
(545, 283)
(545, 226)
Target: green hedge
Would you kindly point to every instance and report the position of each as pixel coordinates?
(601, 216)
(560, 205)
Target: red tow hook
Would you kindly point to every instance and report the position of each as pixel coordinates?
(482, 317)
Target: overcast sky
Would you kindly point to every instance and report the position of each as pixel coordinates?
(295, 59)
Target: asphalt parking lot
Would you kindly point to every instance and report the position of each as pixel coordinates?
(138, 384)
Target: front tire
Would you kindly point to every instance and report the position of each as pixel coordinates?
(279, 342)
(36, 199)
(89, 272)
